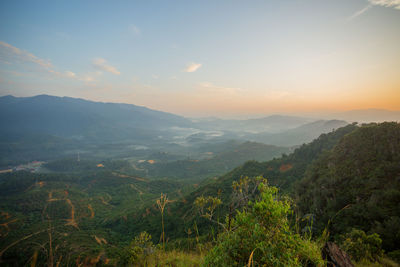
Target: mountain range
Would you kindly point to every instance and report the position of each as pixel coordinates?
(46, 127)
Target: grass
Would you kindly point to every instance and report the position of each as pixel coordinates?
(383, 262)
(173, 258)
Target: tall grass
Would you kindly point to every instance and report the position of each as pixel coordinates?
(173, 258)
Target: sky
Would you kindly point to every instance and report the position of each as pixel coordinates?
(206, 58)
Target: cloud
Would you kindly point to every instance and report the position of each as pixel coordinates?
(277, 95)
(386, 3)
(192, 67)
(9, 53)
(135, 30)
(12, 55)
(359, 12)
(101, 64)
(90, 77)
(212, 88)
(87, 78)
(63, 35)
(70, 74)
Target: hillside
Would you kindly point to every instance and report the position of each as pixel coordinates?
(272, 123)
(43, 128)
(357, 184)
(97, 207)
(367, 115)
(66, 116)
(216, 163)
(80, 207)
(299, 135)
(283, 172)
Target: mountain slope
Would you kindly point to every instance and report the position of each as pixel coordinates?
(299, 135)
(65, 116)
(368, 115)
(273, 123)
(217, 164)
(357, 184)
(283, 172)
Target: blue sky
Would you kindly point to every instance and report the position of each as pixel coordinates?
(201, 58)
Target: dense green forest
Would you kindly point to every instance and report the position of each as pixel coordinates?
(357, 185)
(343, 187)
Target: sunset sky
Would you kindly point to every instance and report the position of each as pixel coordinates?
(202, 58)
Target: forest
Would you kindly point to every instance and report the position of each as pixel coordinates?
(342, 188)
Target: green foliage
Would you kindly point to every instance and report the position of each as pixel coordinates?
(141, 248)
(383, 262)
(356, 185)
(395, 255)
(104, 204)
(218, 164)
(263, 232)
(185, 215)
(360, 246)
(207, 205)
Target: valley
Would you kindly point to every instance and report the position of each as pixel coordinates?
(91, 197)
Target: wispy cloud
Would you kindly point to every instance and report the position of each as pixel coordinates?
(220, 89)
(63, 35)
(386, 3)
(192, 67)
(101, 64)
(11, 54)
(277, 95)
(90, 77)
(359, 12)
(135, 30)
(70, 74)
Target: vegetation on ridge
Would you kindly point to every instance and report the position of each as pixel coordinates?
(344, 187)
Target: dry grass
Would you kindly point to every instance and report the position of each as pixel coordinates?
(383, 262)
(174, 258)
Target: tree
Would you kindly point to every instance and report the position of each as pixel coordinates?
(161, 203)
(360, 246)
(262, 233)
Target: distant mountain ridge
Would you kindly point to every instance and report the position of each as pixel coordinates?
(284, 172)
(272, 123)
(66, 116)
(83, 119)
(368, 115)
(299, 135)
(30, 126)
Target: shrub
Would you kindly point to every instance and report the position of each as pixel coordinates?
(140, 248)
(361, 246)
(395, 255)
(263, 232)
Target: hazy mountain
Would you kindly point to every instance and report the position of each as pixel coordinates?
(282, 172)
(65, 116)
(299, 135)
(233, 155)
(273, 124)
(367, 115)
(31, 124)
